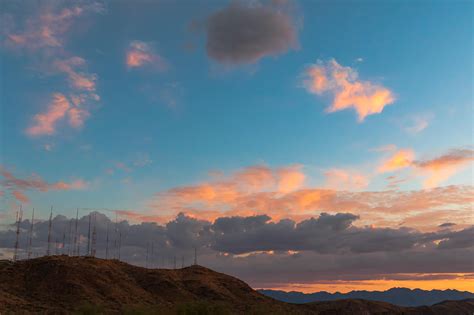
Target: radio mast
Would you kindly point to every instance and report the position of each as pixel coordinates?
(94, 236)
(18, 217)
(30, 239)
(76, 246)
(48, 252)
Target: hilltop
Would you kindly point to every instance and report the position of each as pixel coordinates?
(63, 284)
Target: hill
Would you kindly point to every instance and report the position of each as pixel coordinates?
(62, 284)
(398, 296)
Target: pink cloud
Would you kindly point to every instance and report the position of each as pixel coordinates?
(345, 180)
(441, 168)
(209, 200)
(45, 123)
(435, 171)
(77, 116)
(18, 186)
(74, 185)
(342, 83)
(43, 34)
(77, 79)
(47, 28)
(256, 190)
(20, 196)
(140, 54)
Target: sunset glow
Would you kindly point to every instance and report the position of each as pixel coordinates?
(298, 145)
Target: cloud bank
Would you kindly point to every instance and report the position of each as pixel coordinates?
(263, 251)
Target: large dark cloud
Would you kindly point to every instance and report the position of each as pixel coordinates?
(325, 234)
(263, 252)
(244, 32)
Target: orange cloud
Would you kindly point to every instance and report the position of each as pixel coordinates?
(401, 159)
(290, 178)
(348, 91)
(20, 196)
(255, 177)
(141, 54)
(345, 180)
(74, 185)
(45, 123)
(260, 190)
(18, 186)
(436, 170)
(439, 169)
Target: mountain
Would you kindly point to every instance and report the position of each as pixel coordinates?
(398, 296)
(85, 285)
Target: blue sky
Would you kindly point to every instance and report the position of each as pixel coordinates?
(346, 117)
(199, 115)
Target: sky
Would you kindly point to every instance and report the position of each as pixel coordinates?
(300, 145)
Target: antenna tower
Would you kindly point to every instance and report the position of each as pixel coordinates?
(76, 246)
(89, 238)
(107, 242)
(195, 256)
(48, 252)
(94, 236)
(18, 217)
(30, 238)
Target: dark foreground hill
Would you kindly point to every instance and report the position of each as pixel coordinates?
(64, 285)
(397, 296)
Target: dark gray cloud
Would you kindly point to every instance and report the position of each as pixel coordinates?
(261, 251)
(447, 225)
(325, 234)
(244, 32)
(460, 239)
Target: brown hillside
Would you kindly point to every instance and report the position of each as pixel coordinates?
(64, 285)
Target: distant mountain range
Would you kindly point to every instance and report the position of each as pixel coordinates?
(87, 285)
(397, 296)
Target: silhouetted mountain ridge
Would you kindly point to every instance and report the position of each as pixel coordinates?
(398, 296)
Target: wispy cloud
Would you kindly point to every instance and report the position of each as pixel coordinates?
(19, 186)
(417, 123)
(345, 179)
(443, 167)
(435, 170)
(141, 54)
(347, 90)
(45, 123)
(48, 28)
(79, 80)
(44, 35)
